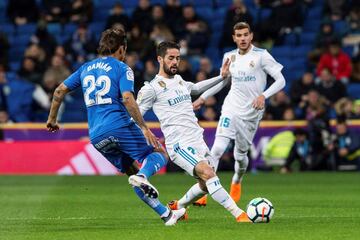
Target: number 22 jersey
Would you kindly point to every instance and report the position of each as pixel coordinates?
(103, 81)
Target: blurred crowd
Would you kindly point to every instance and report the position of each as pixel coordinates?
(321, 90)
(65, 34)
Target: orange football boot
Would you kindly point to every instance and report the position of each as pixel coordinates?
(243, 218)
(201, 202)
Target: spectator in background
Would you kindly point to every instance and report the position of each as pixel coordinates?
(173, 13)
(328, 87)
(37, 53)
(324, 37)
(236, 13)
(352, 37)
(82, 44)
(345, 148)
(141, 44)
(206, 67)
(184, 70)
(4, 50)
(300, 150)
(208, 114)
(337, 62)
(141, 16)
(132, 59)
(161, 33)
(158, 16)
(57, 10)
(22, 11)
(278, 104)
(309, 104)
(150, 71)
(81, 11)
(118, 15)
(44, 39)
(355, 75)
(288, 114)
(284, 19)
(30, 70)
(58, 69)
(4, 117)
(194, 31)
(300, 88)
(347, 109)
(335, 9)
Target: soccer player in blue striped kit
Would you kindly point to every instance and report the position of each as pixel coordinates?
(116, 127)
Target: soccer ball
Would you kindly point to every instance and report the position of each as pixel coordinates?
(260, 210)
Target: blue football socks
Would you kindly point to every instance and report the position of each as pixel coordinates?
(151, 164)
(154, 203)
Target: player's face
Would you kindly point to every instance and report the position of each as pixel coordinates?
(243, 38)
(171, 61)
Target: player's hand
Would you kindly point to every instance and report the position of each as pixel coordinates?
(198, 103)
(343, 152)
(52, 126)
(225, 69)
(151, 139)
(259, 102)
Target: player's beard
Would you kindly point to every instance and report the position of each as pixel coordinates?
(170, 71)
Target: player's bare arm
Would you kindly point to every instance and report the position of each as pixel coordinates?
(225, 73)
(133, 109)
(58, 97)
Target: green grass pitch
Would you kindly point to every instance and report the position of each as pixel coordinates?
(307, 206)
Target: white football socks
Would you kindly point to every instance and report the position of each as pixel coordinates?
(193, 194)
(218, 193)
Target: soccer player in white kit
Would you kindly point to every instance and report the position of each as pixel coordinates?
(243, 107)
(169, 97)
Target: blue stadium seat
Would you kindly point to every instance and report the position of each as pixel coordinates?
(19, 40)
(97, 27)
(162, 2)
(311, 25)
(197, 3)
(7, 28)
(290, 39)
(129, 4)
(315, 13)
(341, 27)
(283, 51)
(354, 90)
(54, 28)
(69, 29)
(15, 65)
(101, 14)
(307, 38)
(300, 51)
(205, 12)
(29, 28)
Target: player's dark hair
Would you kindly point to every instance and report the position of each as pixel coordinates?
(241, 25)
(164, 46)
(111, 40)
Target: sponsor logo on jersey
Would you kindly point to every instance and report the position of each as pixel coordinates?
(242, 77)
(179, 99)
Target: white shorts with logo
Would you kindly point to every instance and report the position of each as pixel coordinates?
(241, 130)
(187, 154)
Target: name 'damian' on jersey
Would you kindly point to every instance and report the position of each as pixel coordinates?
(101, 65)
(179, 99)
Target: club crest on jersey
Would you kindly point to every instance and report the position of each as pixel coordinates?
(252, 64)
(162, 84)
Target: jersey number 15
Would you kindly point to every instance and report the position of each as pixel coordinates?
(101, 86)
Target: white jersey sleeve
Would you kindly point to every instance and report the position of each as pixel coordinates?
(146, 98)
(269, 64)
(273, 68)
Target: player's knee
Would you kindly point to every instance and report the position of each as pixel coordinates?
(204, 171)
(241, 155)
